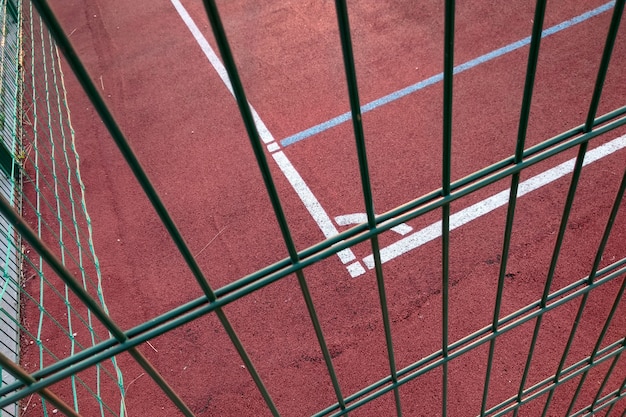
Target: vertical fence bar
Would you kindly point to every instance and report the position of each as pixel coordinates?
(593, 106)
(610, 410)
(355, 107)
(253, 134)
(597, 346)
(594, 269)
(618, 396)
(604, 63)
(555, 254)
(591, 364)
(552, 268)
(531, 70)
(448, 82)
(609, 371)
(321, 340)
(620, 393)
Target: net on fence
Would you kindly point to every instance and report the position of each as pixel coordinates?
(42, 178)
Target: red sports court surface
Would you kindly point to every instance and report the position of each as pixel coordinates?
(150, 60)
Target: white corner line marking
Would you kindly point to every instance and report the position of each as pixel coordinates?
(307, 197)
(312, 204)
(489, 204)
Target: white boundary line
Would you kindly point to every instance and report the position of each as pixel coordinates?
(425, 235)
(307, 197)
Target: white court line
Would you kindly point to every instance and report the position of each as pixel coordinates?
(307, 197)
(489, 204)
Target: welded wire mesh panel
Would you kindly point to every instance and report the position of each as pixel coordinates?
(522, 314)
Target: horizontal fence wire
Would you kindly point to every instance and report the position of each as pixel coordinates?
(55, 223)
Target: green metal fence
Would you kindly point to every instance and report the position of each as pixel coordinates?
(608, 397)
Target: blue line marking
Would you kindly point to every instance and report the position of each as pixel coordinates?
(439, 77)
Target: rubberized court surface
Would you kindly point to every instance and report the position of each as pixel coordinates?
(156, 64)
